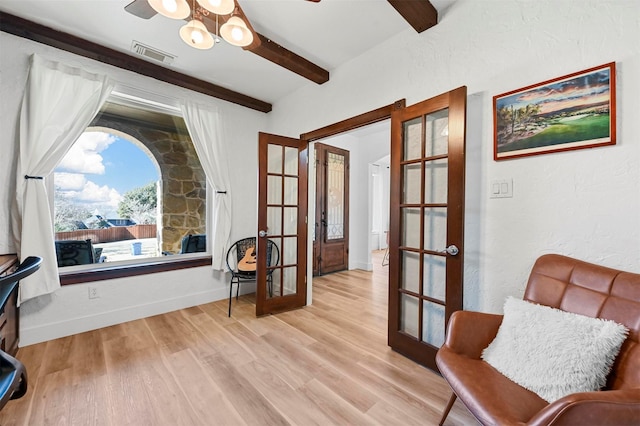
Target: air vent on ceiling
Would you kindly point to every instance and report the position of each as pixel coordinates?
(150, 52)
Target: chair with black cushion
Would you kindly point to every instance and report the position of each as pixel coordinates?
(243, 253)
(13, 374)
(75, 252)
(194, 244)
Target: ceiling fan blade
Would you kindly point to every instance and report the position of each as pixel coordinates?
(141, 9)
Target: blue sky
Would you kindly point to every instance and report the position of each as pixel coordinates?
(127, 167)
(100, 168)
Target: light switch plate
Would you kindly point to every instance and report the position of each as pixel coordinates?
(501, 188)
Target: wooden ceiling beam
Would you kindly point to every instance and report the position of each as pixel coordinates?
(39, 33)
(272, 51)
(420, 14)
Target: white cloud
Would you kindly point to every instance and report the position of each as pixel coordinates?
(94, 194)
(69, 181)
(78, 189)
(84, 156)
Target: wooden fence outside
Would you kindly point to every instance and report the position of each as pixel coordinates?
(108, 235)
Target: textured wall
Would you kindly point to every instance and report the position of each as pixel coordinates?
(583, 203)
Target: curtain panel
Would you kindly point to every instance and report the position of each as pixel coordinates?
(59, 103)
(205, 128)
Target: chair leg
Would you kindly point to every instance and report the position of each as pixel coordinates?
(238, 290)
(231, 295)
(445, 413)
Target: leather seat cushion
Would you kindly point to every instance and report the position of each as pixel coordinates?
(490, 396)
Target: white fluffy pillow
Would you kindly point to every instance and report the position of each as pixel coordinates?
(551, 352)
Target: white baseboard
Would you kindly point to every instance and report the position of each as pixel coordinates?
(362, 265)
(43, 333)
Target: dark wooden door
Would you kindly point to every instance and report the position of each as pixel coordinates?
(426, 223)
(331, 239)
(282, 218)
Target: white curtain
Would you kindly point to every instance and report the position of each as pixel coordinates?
(59, 103)
(205, 128)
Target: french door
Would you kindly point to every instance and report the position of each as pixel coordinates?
(282, 216)
(331, 236)
(426, 223)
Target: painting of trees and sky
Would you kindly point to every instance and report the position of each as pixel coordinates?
(570, 112)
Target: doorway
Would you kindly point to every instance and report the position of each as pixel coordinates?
(369, 148)
(420, 174)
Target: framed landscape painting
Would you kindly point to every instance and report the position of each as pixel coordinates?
(570, 112)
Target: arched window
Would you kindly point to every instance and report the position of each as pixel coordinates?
(133, 185)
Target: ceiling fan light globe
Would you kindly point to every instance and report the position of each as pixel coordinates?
(175, 9)
(219, 7)
(196, 37)
(235, 32)
(195, 34)
(170, 5)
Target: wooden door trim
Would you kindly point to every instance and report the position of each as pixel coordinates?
(352, 123)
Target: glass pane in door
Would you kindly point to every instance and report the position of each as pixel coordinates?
(290, 161)
(274, 159)
(435, 229)
(434, 276)
(410, 236)
(433, 323)
(274, 220)
(410, 271)
(412, 139)
(435, 181)
(409, 306)
(335, 196)
(437, 133)
(411, 178)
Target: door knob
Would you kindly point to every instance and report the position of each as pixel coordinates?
(452, 250)
(262, 233)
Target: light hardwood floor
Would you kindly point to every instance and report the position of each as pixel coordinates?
(325, 364)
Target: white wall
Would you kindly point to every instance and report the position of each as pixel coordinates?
(582, 203)
(69, 310)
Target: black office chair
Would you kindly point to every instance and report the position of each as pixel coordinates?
(75, 252)
(242, 252)
(194, 243)
(13, 374)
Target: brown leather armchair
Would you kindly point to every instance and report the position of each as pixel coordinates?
(571, 285)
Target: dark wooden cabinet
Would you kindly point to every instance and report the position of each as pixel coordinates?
(9, 312)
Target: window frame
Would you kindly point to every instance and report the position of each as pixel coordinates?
(70, 275)
(123, 269)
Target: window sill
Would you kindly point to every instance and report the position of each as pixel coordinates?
(102, 272)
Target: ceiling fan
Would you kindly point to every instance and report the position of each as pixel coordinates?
(235, 28)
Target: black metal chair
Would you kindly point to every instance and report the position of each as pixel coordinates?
(243, 252)
(13, 374)
(75, 252)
